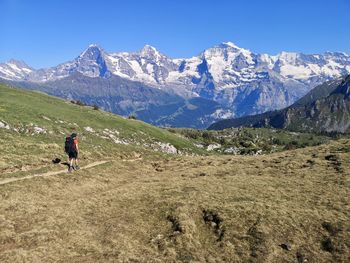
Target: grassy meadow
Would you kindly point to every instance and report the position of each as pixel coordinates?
(290, 204)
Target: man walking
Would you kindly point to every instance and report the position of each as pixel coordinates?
(72, 149)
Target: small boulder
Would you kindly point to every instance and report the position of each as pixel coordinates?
(286, 246)
(331, 157)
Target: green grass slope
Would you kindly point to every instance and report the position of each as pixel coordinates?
(34, 127)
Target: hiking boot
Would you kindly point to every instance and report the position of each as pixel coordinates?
(70, 169)
(76, 167)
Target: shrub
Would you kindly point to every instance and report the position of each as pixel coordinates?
(291, 145)
(267, 148)
(78, 102)
(208, 136)
(277, 141)
(171, 130)
(191, 134)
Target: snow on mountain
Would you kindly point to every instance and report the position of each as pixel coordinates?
(90, 62)
(303, 67)
(241, 80)
(14, 70)
(229, 65)
(147, 65)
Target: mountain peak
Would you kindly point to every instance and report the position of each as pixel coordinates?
(18, 63)
(149, 47)
(93, 45)
(227, 47)
(150, 51)
(92, 51)
(229, 44)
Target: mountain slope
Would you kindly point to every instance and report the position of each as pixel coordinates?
(33, 127)
(324, 109)
(125, 97)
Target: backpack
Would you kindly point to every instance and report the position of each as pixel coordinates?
(68, 145)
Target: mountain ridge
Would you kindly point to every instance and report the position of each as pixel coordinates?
(236, 57)
(241, 81)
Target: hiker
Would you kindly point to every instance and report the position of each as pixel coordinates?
(72, 149)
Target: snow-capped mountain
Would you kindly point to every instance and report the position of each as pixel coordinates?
(90, 63)
(240, 80)
(229, 65)
(15, 70)
(148, 65)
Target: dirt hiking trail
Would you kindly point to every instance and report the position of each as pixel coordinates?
(10, 180)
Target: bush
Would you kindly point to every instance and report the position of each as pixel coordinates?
(277, 141)
(96, 107)
(191, 134)
(208, 136)
(294, 142)
(291, 146)
(222, 141)
(132, 117)
(267, 148)
(171, 130)
(78, 102)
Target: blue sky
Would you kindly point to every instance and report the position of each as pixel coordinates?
(48, 32)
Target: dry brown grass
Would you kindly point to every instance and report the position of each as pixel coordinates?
(185, 209)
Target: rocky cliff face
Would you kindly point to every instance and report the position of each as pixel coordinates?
(329, 114)
(316, 112)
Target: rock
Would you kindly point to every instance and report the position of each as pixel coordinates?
(331, 157)
(301, 258)
(39, 130)
(232, 150)
(258, 152)
(212, 147)
(136, 155)
(286, 246)
(4, 125)
(46, 118)
(89, 129)
(167, 148)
